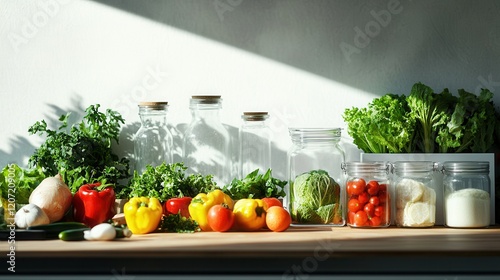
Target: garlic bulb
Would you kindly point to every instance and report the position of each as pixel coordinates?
(30, 215)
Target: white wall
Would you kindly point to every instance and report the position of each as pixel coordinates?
(303, 61)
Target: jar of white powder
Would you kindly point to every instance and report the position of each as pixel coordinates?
(415, 193)
(466, 194)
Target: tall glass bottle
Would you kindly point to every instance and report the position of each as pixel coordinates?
(255, 143)
(206, 140)
(153, 141)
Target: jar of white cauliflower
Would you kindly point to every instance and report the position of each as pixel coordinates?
(415, 194)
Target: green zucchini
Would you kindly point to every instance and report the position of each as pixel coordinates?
(53, 230)
(122, 232)
(73, 234)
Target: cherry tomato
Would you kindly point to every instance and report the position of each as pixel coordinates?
(383, 187)
(382, 196)
(375, 221)
(354, 205)
(220, 218)
(272, 201)
(369, 209)
(374, 200)
(356, 186)
(363, 198)
(372, 187)
(360, 218)
(350, 217)
(380, 211)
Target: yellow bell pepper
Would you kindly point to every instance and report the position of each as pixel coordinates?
(143, 214)
(249, 214)
(201, 203)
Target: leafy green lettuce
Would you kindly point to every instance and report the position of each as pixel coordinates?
(384, 126)
(425, 122)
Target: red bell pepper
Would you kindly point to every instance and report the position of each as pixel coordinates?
(93, 205)
(177, 205)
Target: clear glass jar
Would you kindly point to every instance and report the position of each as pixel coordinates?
(415, 193)
(255, 143)
(153, 141)
(314, 193)
(206, 146)
(368, 194)
(467, 194)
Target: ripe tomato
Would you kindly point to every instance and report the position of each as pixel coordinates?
(354, 205)
(350, 217)
(356, 186)
(375, 221)
(220, 218)
(372, 187)
(380, 211)
(272, 201)
(383, 187)
(363, 198)
(374, 200)
(369, 209)
(382, 196)
(360, 218)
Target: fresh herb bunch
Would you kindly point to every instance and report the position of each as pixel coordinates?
(82, 154)
(169, 180)
(178, 223)
(425, 122)
(256, 185)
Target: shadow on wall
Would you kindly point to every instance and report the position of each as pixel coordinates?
(21, 148)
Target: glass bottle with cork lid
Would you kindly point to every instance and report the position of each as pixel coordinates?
(368, 194)
(314, 193)
(206, 144)
(415, 193)
(153, 141)
(255, 143)
(467, 188)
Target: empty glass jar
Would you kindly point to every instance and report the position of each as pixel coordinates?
(206, 145)
(255, 143)
(153, 140)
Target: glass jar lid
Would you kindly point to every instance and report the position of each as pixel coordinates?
(413, 166)
(255, 116)
(154, 105)
(314, 134)
(355, 167)
(466, 166)
(205, 101)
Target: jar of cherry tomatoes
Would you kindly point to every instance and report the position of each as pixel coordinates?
(367, 191)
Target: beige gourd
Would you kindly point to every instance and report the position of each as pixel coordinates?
(30, 215)
(53, 196)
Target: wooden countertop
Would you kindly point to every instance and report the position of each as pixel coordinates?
(298, 250)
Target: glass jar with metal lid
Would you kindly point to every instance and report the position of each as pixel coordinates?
(467, 194)
(368, 194)
(206, 146)
(153, 141)
(314, 193)
(255, 143)
(415, 193)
